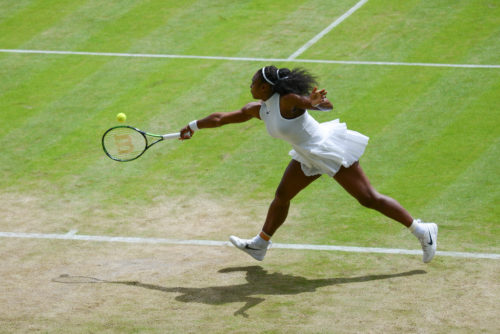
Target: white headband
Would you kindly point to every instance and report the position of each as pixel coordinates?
(265, 78)
(278, 75)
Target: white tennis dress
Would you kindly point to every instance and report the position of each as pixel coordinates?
(321, 148)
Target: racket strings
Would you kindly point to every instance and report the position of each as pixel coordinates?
(124, 143)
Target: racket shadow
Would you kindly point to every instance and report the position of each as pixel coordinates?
(259, 282)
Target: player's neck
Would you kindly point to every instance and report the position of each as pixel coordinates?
(267, 96)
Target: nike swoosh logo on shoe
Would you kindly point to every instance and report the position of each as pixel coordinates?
(430, 237)
(248, 247)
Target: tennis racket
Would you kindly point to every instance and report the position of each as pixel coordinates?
(126, 143)
(68, 279)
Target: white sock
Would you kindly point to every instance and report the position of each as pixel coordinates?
(258, 242)
(417, 228)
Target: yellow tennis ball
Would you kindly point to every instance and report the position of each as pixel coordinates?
(121, 117)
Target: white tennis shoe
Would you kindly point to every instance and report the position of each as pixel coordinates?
(250, 248)
(429, 241)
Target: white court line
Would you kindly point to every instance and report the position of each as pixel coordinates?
(72, 232)
(135, 240)
(327, 30)
(267, 60)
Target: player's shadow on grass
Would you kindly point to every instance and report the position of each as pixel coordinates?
(259, 282)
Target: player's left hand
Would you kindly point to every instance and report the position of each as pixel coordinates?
(317, 96)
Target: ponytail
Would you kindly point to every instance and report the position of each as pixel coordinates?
(285, 81)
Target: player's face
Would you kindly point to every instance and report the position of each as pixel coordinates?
(258, 89)
(255, 85)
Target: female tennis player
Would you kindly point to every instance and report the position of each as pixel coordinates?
(318, 148)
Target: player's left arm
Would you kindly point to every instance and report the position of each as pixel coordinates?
(315, 101)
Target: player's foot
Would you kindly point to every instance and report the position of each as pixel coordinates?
(249, 247)
(429, 241)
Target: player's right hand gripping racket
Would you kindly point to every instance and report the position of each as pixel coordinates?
(126, 143)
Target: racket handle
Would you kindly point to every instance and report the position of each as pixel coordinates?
(172, 135)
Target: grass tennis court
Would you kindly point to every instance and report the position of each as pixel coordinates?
(434, 146)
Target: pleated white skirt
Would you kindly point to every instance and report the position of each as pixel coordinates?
(336, 146)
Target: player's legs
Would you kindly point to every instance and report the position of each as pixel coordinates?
(357, 184)
(292, 182)
(354, 180)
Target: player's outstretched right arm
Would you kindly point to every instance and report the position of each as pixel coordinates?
(249, 111)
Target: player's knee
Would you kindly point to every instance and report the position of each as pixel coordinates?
(369, 200)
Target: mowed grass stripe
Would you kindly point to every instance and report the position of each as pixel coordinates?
(137, 24)
(91, 26)
(471, 204)
(87, 121)
(488, 50)
(281, 36)
(373, 98)
(34, 99)
(441, 96)
(33, 19)
(240, 28)
(72, 31)
(360, 34)
(119, 20)
(225, 24)
(472, 23)
(439, 163)
(472, 135)
(69, 119)
(169, 116)
(480, 205)
(413, 31)
(436, 140)
(10, 8)
(74, 108)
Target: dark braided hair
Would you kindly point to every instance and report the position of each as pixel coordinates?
(285, 81)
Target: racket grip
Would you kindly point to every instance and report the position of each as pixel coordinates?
(172, 135)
